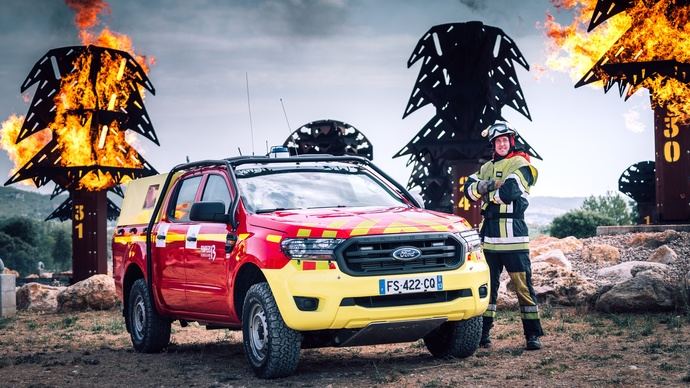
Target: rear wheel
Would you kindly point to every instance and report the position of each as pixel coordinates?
(149, 331)
(455, 339)
(271, 347)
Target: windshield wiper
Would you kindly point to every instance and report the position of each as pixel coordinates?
(326, 207)
(275, 209)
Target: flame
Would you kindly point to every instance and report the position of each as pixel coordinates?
(645, 32)
(82, 141)
(20, 153)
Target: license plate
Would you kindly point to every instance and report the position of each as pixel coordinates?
(408, 285)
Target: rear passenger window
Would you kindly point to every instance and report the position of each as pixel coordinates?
(216, 190)
(184, 199)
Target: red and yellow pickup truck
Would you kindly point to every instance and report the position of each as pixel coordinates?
(297, 252)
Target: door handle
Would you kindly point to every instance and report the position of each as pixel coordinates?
(191, 238)
(160, 237)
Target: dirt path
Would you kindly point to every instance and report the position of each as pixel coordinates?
(581, 349)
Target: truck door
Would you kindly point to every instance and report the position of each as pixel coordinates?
(169, 246)
(208, 266)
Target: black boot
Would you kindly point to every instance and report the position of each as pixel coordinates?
(485, 341)
(533, 343)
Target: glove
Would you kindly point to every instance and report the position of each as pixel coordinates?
(485, 186)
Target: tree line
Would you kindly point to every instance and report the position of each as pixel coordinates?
(24, 242)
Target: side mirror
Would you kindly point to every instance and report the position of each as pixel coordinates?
(209, 212)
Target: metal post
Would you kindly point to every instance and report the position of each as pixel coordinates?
(89, 254)
(672, 157)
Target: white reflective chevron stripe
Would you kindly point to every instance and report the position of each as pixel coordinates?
(509, 227)
(506, 240)
(529, 309)
(519, 182)
(491, 307)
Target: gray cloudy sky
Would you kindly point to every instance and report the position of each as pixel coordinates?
(337, 59)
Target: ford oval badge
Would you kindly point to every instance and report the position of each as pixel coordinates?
(406, 253)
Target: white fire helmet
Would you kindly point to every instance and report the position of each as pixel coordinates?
(499, 128)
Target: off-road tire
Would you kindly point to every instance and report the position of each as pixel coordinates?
(150, 332)
(274, 349)
(455, 339)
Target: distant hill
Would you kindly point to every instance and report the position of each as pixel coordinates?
(15, 202)
(542, 210)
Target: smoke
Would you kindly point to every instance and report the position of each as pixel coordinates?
(307, 17)
(475, 5)
(632, 121)
(87, 12)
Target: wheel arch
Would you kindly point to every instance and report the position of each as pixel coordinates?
(248, 275)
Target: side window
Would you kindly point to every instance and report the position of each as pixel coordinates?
(216, 190)
(179, 211)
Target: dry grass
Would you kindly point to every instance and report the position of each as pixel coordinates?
(581, 348)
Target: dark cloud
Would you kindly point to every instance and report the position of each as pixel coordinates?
(475, 5)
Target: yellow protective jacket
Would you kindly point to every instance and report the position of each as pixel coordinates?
(504, 228)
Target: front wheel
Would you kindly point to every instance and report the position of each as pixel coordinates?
(271, 347)
(455, 339)
(149, 331)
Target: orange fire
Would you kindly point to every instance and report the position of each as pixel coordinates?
(645, 32)
(81, 143)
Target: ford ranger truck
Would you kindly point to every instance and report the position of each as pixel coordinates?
(297, 252)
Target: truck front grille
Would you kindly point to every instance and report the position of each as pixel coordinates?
(373, 255)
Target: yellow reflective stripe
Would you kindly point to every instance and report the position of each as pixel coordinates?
(303, 232)
(530, 315)
(212, 237)
(439, 228)
(337, 224)
(489, 314)
(502, 228)
(521, 289)
(321, 265)
(399, 227)
(329, 234)
(273, 238)
(505, 247)
(363, 227)
(173, 237)
(242, 236)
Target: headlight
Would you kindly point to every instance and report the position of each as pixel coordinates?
(310, 248)
(471, 238)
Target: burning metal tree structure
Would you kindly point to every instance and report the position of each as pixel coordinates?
(329, 137)
(467, 74)
(87, 98)
(647, 45)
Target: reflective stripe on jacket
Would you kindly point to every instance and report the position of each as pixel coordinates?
(504, 228)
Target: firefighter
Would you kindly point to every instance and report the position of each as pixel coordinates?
(503, 184)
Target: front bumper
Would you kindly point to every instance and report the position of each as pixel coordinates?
(331, 286)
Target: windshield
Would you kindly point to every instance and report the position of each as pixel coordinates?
(267, 189)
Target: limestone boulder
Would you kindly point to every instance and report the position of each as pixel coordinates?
(647, 291)
(624, 271)
(566, 245)
(601, 253)
(38, 297)
(94, 293)
(664, 254)
(654, 240)
(555, 257)
(8, 271)
(555, 284)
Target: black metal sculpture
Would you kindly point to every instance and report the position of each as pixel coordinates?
(331, 137)
(94, 91)
(467, 74)
(632, 63)
(637, 182)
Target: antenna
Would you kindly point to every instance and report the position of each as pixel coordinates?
(187, 157)
(266, 146)
(288, 125)
(239, 150)
(249, 107)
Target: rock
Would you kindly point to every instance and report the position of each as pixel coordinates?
(32, 276)
(664, 255)
(555, 257)
(38, 297)
(8, 271)
(566, 245)
(624, 271)
(46, 275)
(654, 240)
(601, 253)
(96, 292)
(646, 292)
(555, 284)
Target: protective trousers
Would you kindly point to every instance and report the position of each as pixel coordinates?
(519, 268)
